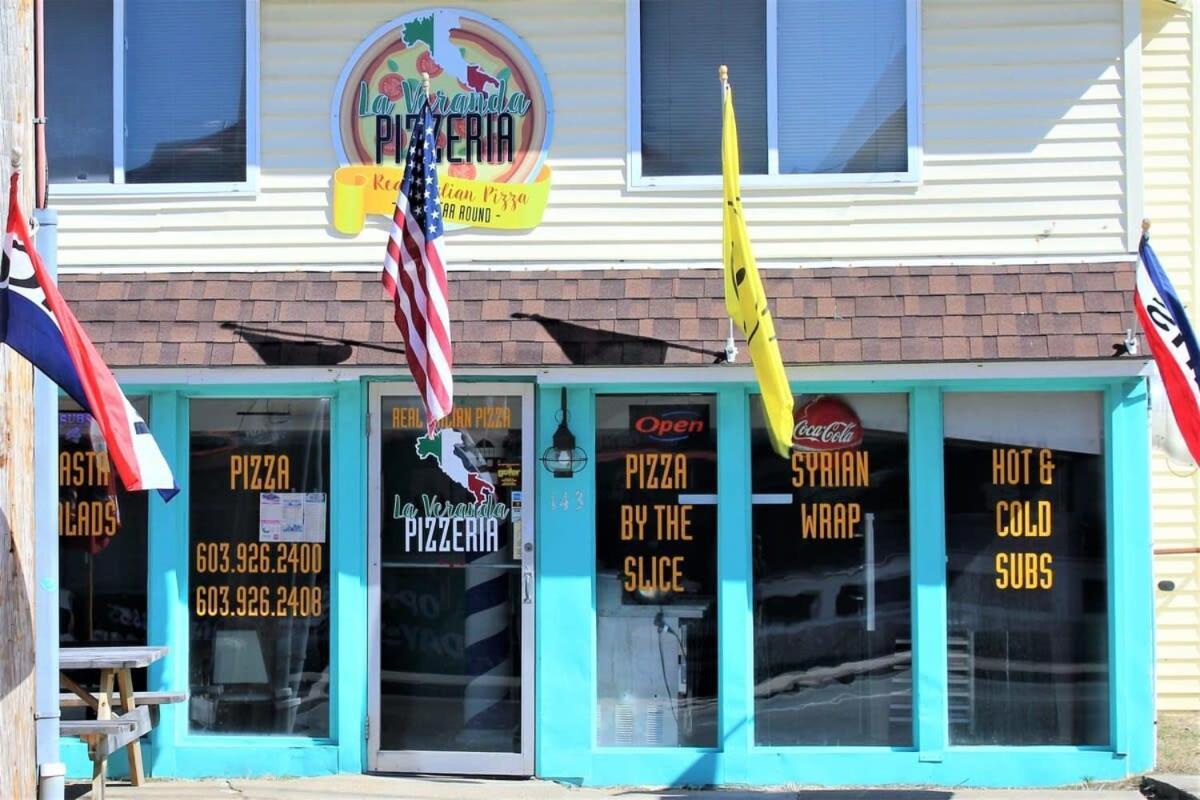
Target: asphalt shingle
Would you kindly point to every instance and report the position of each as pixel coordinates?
(612, 317)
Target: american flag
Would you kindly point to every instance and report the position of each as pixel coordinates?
(414, 273)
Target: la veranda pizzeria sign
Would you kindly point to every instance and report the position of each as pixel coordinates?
(491, 111)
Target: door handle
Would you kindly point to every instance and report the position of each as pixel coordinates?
(527, 587)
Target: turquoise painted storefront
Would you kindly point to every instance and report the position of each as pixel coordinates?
(565, 734)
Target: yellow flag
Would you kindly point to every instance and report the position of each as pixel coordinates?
(745, 298)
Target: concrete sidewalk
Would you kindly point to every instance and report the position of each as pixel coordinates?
(375, 787)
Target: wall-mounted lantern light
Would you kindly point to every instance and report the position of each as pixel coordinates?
(563, 458)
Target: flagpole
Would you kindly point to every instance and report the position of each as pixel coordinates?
(46, 608)
(731, 350)
(1131, 342)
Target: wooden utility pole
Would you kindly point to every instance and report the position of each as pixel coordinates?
(18, 760)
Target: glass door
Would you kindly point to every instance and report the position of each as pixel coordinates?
(451, 592)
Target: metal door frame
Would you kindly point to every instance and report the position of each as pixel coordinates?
(439, 761)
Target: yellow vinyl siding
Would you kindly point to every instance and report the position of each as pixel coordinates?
(1023, 136)
(1169, 144)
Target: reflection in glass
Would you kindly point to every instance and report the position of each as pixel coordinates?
(185, 91)
(79, 101)
(656, 570)
(102, 556)
(450, 616)
(1026, 571)
(259, 566)
(832, 611)
(101, 539)
(843, 86)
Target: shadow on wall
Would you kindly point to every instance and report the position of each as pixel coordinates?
(17, 663)
(1063, 89)
(281, 348)
(596, 348)
(17, 763)
(582, 345)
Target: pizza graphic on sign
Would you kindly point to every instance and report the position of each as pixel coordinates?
(491, 110)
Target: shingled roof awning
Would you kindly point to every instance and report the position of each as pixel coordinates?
(609, 317)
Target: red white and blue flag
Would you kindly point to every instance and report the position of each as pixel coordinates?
(414, 274)
(1172, 343)
(36, 322)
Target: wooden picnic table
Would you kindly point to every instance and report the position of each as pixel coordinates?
(131, 657)
(107, 733)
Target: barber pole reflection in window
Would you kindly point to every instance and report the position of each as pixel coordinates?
(451, 535)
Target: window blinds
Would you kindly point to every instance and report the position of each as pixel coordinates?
(79, 100)
(185, 91)
(842, 86)
(682, 44)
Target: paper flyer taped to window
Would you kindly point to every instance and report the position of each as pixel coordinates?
(314, 517)
(516, 525)
(270, 517)
(291, 517)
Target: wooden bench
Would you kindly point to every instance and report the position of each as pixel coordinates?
(151, 699)
(109, 732)
(106, 736)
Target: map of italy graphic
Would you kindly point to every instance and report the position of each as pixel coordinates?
(447, 448)
(434, 32)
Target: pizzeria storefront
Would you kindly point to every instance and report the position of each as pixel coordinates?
(946, 581)
(597, 570)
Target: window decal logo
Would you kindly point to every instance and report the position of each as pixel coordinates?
(826, 423)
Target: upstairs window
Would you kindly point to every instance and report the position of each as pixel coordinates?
(824, 90)
(148, 93)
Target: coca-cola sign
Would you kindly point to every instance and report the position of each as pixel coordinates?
(826, 423)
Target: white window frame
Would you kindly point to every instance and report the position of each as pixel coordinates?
(118, 186)
(636, 180)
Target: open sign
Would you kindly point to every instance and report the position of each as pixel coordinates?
(670, 425)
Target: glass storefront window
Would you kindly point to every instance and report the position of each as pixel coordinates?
(259, 566)
(656, 570)
(1026, 568)
(832, 609)
(101, 539)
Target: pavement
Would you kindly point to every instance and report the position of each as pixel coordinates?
(375, 787)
